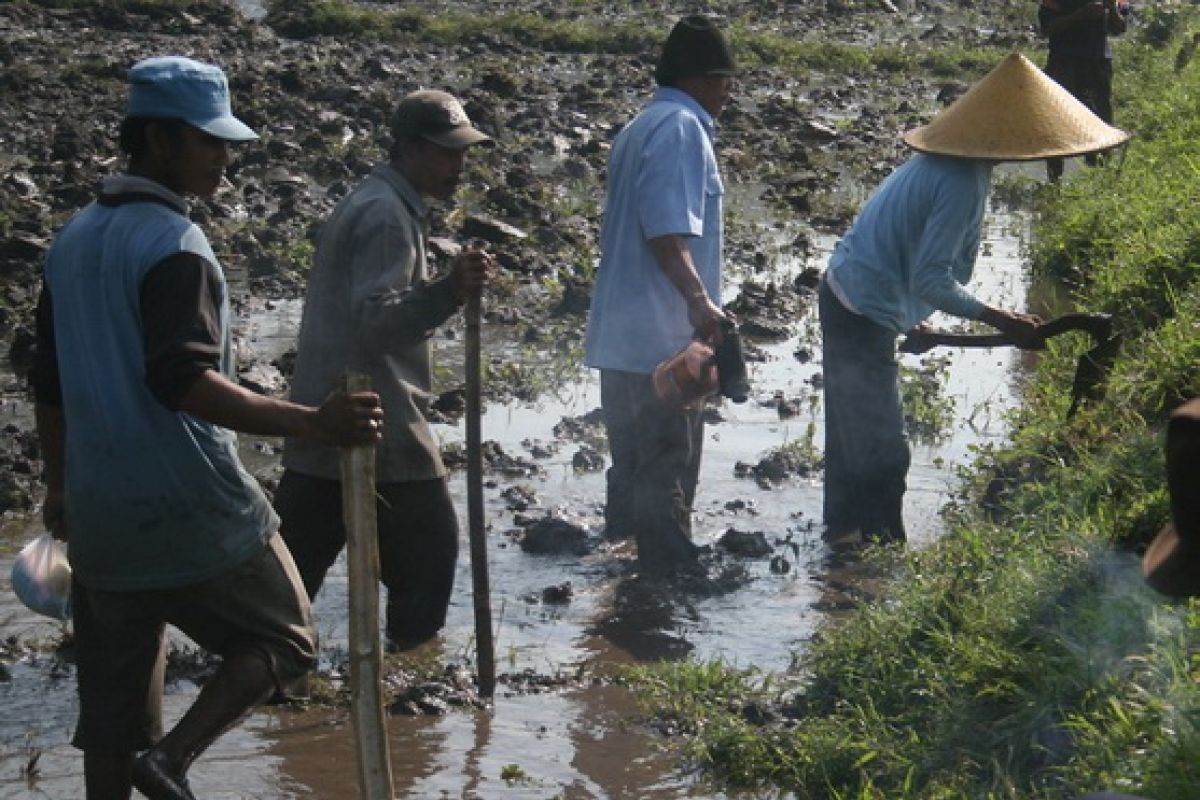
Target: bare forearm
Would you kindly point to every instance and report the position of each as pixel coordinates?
(342, 420)
(1022, 328)
(674, 258)
(51, 429)
(52, 437)
(409, 317)
(214, 398)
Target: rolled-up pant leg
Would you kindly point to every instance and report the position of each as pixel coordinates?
(866, 452)
(655, 452)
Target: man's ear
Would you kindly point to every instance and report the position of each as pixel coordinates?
(156, 140)
(160, 141)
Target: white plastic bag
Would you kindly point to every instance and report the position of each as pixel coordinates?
(41, 577)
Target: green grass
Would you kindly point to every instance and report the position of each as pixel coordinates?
(634, 35)
(1021, 656)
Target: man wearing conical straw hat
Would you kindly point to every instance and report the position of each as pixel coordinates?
(910, 252)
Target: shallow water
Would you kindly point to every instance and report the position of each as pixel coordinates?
(582, 742)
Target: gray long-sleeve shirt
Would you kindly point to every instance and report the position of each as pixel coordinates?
(371, 309)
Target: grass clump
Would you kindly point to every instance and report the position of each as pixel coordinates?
(1021, 656)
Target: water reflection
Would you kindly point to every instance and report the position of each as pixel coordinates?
(643, 621)
(581, 743)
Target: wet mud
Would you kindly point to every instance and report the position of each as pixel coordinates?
(568, 604)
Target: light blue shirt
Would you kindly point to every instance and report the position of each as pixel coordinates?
(663, 180)
(914, 243)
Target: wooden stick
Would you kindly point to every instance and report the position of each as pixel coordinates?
(485, 648)
(366, 655)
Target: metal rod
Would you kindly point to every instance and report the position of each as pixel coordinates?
(481, 591)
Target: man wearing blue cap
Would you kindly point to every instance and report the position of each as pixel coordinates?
(136, 408)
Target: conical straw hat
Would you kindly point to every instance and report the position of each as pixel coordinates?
(1015, 113)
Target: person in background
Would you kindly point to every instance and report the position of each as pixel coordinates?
(1080, 55)
(658, 286)
(1171, 564)
(910, 252)
(371, 307)
(136, 408)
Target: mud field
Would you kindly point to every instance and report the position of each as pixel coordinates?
(800, 148)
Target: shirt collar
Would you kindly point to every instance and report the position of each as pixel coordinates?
(402, 187)
(115, 187)
(671, 94)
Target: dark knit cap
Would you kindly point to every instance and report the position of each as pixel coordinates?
(694, 48)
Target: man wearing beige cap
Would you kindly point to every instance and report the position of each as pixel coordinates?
(910, 252)
(371, 307)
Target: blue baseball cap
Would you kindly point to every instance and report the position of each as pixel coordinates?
(173, 87)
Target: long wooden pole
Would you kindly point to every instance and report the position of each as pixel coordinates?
(366, 655)
(485, 647)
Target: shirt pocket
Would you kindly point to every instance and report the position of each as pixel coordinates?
(713, 185)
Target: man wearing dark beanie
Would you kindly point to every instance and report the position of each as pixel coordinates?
(658, 287)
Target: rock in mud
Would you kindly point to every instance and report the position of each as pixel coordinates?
(495, 459)
(558, 595)
(775, 468)
(491, 230)
(14, 494)
(539, 449)
(587, 459)
(586, 428)
(746, 544)
(519, 498)
(552, 536)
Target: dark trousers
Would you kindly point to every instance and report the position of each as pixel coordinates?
(866, 452)
(1089, 80)
(418, 545)
(655, 453)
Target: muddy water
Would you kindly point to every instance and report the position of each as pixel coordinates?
(581, 742)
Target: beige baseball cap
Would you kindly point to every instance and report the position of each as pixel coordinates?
(1015, 113)
(437, 117)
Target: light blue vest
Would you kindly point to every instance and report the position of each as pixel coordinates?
(155, 498)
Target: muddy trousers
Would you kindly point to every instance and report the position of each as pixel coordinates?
(418, 545)
(866, 452)
(655, 467)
